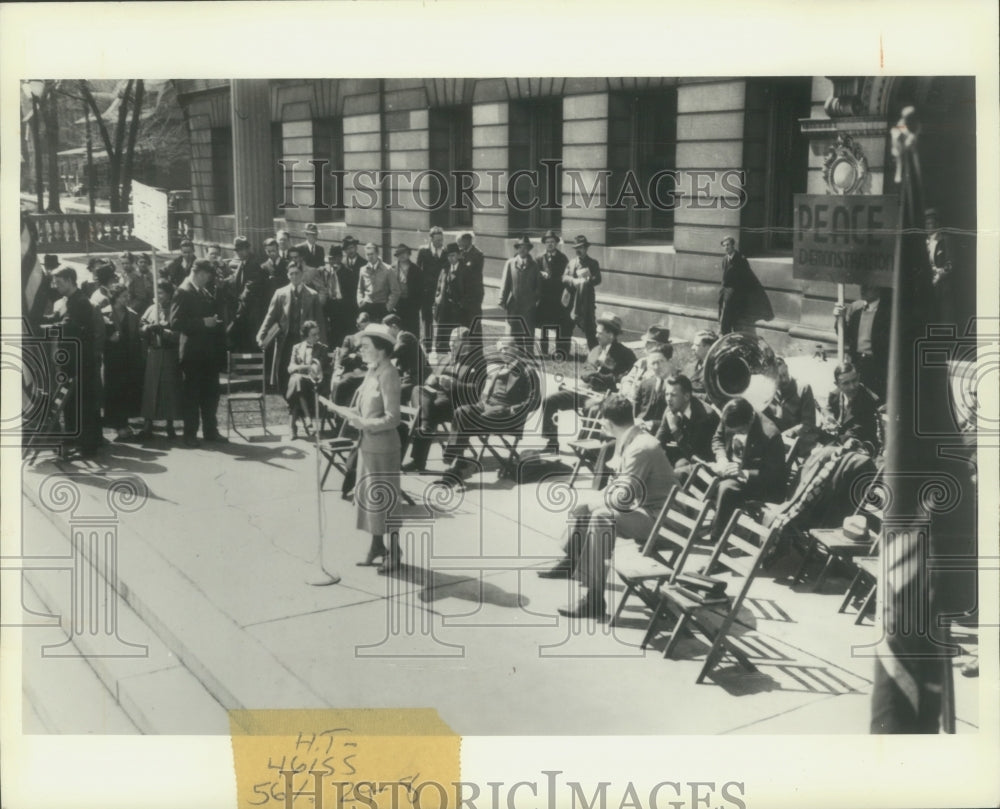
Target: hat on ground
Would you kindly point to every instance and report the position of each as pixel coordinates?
(524, 240)
(400, 249)
(581, 241)
(349, 240)
(378, 332)
(241, 242)
(452, 248)
(311, 228)
(856, 528)
(611, 322)
(551, 234)
(657, 334)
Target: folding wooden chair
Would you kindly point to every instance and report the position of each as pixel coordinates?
(701, 482)
(739, 551)
(590, 437)
(832, 542)
(246, 369)
(864, 584)
(663, 555)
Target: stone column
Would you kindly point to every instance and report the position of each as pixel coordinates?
(252, 169)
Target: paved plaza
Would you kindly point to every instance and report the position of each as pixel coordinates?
(212, 565)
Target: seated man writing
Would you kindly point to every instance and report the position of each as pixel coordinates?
(854, 413)
(606, 364)
(627, 508)
(750, 459)
(509, 395)
(687, 427)
(456, 384)
(793, 409)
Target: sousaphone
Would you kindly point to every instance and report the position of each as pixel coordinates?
(741, 365)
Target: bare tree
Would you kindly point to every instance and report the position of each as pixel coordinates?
(121, 147)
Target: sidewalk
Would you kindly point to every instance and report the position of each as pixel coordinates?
(214, 564)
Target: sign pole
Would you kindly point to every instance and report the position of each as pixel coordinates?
(841, 325)
(319, 576)
(156, 284)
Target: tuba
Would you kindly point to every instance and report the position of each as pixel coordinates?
(741, 365)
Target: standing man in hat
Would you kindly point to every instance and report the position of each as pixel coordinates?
(431, 260)
(310, 252)
(352, 263)
(378, 287)
(866, 325)
(448, 297)
(552, 315)
(410, 294)
(606, 364)
(520, 293)
(472, 304)
(250, 287)
(742, 299)
(275, 267)
(202, 353)
(179, 269)
(76, 320)
(583, 274)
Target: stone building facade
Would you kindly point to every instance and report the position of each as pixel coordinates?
(658, 265)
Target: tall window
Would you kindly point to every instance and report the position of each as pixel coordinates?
(328, 144)
(642, 148)
(451, 151)
(774, 107)
(222, 170)
(536, 135)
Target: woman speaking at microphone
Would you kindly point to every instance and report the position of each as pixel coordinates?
(376, 417)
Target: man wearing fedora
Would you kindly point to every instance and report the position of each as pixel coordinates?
(448, 298)
(408, 278)
(352, 264)
(472, 302)
(520, 293)
(654, 338)
(582, 275)
(431, 259)
(250, 287)
(742, 299)
(606, 364)
(552, 315)
(310, 252)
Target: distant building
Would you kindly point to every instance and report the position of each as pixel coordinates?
(658, 264)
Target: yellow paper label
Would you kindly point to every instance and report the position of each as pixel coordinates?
(329, 759)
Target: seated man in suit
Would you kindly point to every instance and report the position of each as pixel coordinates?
(409, 357)
(655, 338)
(650, 400)
(509, 395)
(687, 427)
(457, 383)
(854, 413)
(606, 364)
(627, 508)
(793, 409)
(749, 459)
(702, 341)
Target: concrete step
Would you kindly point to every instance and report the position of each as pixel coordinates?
(155, 689)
